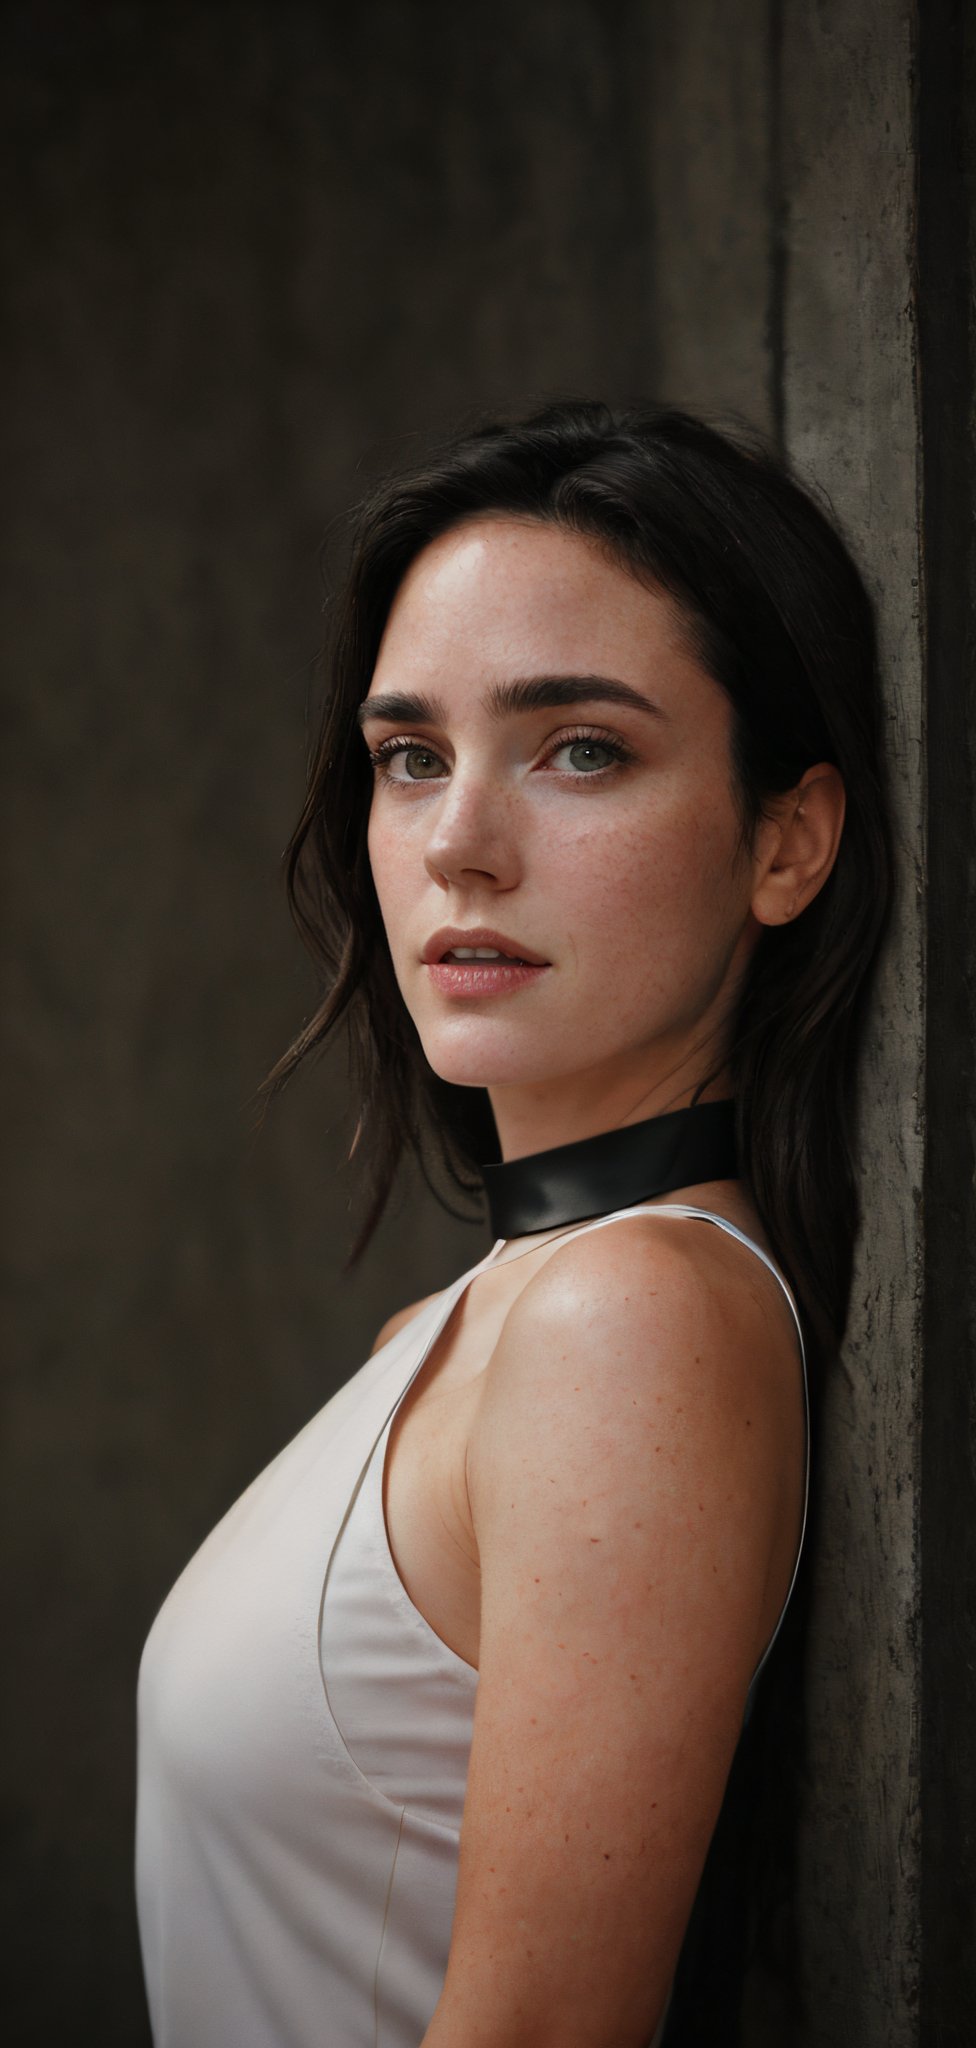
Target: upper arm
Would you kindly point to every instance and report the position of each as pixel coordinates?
(396, 1322)
(626, 1483)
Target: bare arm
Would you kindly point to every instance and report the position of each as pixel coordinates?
(636, 1467)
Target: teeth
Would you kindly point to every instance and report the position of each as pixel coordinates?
(475, 953)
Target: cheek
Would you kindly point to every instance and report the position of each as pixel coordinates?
(386, 871)
(666, 874)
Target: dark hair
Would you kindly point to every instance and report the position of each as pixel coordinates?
(779, 617)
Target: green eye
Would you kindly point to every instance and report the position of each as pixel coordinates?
(590, 755)
(428, 760)
(412, 751)
(588, 747)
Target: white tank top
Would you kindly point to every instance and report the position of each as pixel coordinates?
(303, 1746)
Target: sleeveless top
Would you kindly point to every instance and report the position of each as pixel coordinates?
(304, 1737)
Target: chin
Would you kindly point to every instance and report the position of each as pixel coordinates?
(492, 1058)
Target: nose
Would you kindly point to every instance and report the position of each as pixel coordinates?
(473, 833)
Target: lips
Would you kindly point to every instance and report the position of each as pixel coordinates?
(450, 937)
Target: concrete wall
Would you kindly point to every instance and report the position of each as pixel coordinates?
(815, 163)
(851, 415)
(255, 250)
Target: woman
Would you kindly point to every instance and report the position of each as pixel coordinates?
(438, 1726)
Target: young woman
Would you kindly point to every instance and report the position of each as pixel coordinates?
(438, 1727)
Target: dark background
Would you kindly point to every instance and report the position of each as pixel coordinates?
(254, 255)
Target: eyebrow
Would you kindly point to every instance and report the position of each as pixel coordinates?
(505, 700)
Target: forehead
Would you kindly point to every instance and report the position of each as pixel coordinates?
(499, 592)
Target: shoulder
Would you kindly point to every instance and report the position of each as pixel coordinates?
(653, 1346)
(399, 1321)
(659, 1295)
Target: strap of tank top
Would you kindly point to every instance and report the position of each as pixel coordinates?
(732, 1230)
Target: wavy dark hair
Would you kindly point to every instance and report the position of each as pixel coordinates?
(779, 616)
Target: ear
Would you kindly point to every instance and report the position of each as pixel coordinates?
(796, 845)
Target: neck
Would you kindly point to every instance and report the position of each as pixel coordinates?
(527, 1123)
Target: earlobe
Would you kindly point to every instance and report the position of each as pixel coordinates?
(809, 821)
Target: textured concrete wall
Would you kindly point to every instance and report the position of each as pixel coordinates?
(784, 168)
(851, 416)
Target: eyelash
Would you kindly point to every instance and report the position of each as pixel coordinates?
(622, 754)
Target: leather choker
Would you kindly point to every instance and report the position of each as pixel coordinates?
(612, 1170)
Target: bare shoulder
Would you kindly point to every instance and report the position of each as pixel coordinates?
(646, 1376)
(674, 1303)
(645, 1365)
(397, 1322)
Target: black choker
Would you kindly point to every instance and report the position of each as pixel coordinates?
(613, 1170)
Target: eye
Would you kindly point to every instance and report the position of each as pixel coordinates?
(420, 761)
(584, 747)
